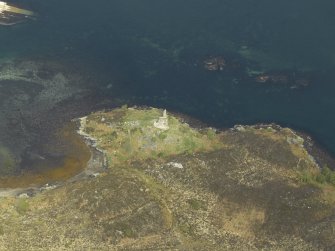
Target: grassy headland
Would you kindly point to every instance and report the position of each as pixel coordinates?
(179, 188)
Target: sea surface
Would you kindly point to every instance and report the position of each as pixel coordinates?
(154, 52)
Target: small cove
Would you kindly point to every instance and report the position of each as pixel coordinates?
(53, 170)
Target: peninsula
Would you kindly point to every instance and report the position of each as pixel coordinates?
(169, 186)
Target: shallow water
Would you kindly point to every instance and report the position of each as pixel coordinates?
(47, 170)
(152, 52)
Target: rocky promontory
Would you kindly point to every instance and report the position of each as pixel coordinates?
(176, 187)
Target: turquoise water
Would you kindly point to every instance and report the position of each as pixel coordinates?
(152, 53)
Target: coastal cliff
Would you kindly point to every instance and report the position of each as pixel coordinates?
(179, 187)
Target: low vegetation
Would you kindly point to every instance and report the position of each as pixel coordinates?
(180, 189)
(128, 134)
(323, 176)
(21, 206)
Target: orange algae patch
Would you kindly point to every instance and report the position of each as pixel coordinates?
(74, 161)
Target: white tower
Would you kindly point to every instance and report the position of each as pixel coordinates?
(162, 122)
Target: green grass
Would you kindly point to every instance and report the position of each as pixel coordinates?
(325, 176)
(126, 230)
(189, 144)
(197, 204)
(144, 116)
(22, 206)
(134, 137)
(162, 135)
(211, 133)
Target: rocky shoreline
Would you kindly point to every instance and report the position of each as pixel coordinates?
(98, 163)
(183, 188)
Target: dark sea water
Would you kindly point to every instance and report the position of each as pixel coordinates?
(151, 52)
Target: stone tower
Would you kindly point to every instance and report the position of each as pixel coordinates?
(162, 122)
